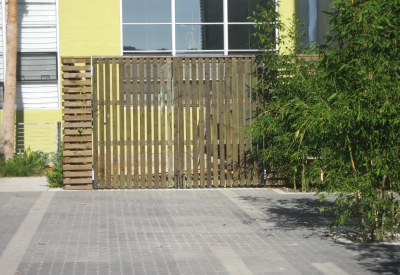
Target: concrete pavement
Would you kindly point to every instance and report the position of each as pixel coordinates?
(221, 231)
(23, 184)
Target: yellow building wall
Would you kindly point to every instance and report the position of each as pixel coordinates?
(36, 129)
(89, 27)
(287, 9)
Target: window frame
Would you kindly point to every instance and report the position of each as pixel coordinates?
(55, 54)
(173, 24)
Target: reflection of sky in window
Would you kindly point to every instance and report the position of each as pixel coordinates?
(146, 11)
(148, 37)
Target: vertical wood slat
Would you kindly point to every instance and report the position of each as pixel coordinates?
(241, 118)
(121, 110)
(188, 122)
(135, 124)
(156, 127)
(221, 99)
(170, 120)
(235, 116)
(128, 93)
(228, 122)
(77, 135)
(208, 118)
(176, 76)
(142, 139)
(214, 125)
(253, 79)
(149, 173)
(201, 134)
(108, 124)
(194, 124)
(248, 167)
(101, 124)
(114, 105)
(181, 123)
(163, 135)
(95, 118)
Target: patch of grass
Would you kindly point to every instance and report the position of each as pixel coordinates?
(29, 163)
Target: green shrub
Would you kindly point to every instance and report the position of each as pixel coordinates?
(29, 163)
(55, 175)
(334, 123)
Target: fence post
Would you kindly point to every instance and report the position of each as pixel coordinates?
(77, 123)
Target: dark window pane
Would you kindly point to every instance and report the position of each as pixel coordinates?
(198, 11)
(146, 11)
(32, 66)
(239, 10)
(240, 38)
(1, 95)
(199, 37)
(147, 37)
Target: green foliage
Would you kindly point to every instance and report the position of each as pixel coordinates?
(55, 175)
(333, 123)
(29, 163)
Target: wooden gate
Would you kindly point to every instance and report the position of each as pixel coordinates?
(164, 122)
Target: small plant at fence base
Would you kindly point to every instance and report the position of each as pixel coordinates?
(55, 175)
(333, 123)
(26, 164)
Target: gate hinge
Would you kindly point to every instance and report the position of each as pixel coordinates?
(91, 70)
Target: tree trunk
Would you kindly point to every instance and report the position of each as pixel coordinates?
(10, 90)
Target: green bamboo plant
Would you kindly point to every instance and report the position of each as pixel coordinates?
(333, 123)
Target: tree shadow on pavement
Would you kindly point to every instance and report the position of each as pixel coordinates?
(298, 212)
(378, 258)
(301, 213)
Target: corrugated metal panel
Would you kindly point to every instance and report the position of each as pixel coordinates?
(37, 96)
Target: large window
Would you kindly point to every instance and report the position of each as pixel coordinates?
(188, 26)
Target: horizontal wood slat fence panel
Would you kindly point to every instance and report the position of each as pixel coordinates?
(77, 122)
(171, 122)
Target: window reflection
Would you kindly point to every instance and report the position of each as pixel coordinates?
(240, 37)
(199, 37)
(146, 11)
(240, 10)
(199, 11)
(147, 37)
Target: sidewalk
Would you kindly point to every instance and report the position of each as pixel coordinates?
(221, 231)
(23, 184)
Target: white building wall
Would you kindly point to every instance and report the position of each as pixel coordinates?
(37, 33)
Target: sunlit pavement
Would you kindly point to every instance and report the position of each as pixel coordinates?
(205, 231)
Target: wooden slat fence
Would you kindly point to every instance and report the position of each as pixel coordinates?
(77, 122)
(164, 122)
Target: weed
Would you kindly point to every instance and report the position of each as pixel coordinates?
(29, 163)
(55, 175)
